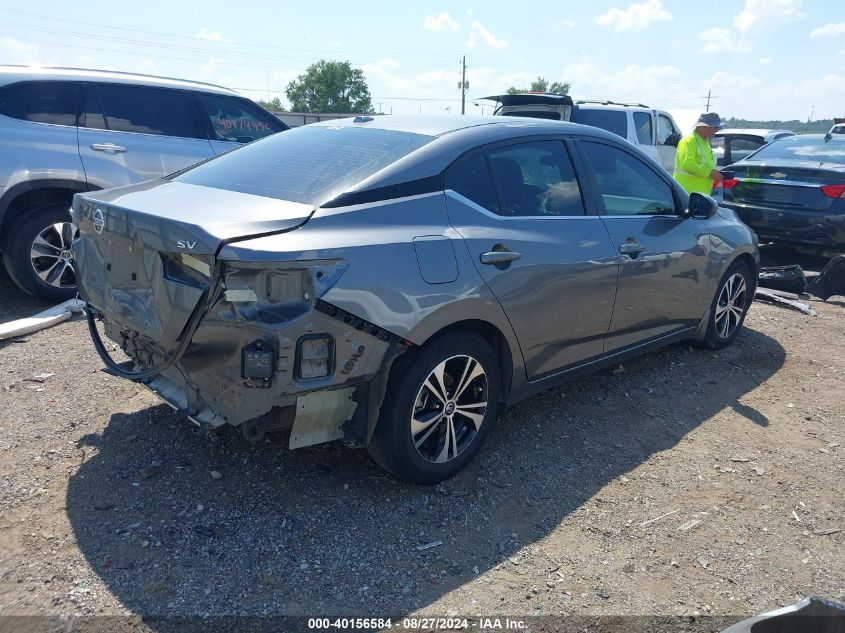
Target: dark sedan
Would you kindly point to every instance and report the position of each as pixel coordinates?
(792, 191)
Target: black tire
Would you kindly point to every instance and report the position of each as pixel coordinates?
(393, 443)
(719, 336)
(17, 255)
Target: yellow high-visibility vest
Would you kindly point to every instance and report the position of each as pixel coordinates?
(693, 163)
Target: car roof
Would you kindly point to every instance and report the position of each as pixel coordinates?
(12, 74)
(451, 137)
(437, 126)
(752, 132)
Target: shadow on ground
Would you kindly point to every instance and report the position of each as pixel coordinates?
(14, 302)
(323, 531)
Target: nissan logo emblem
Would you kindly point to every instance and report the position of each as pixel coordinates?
(99, 221)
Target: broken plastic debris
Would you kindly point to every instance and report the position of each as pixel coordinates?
(42, 320)
(424, 546)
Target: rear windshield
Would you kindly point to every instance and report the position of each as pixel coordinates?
(803, 148)
(611, 120)
(309, 164)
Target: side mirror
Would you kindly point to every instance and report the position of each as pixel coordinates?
(673, 139)
(700, 206)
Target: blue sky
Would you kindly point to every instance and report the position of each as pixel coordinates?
(760, 58)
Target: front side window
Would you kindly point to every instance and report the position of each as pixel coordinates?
(147, 110)
(52, 102)
(232, 120)
(642, 123)
(536, 179)
(470, 177)
(628, 186)
(665, 129)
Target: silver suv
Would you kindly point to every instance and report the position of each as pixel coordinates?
(65, 130)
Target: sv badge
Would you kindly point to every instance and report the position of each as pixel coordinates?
(186, 244)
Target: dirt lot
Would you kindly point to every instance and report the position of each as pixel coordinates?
(689, 483)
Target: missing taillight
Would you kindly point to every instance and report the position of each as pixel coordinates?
(315, 356)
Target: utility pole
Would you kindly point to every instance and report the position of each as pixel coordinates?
(464, 85)
(707, 107)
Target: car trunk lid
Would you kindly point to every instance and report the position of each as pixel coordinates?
(146, 253)
(790, 185)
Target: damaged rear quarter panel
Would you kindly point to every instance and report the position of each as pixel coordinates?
(383, 283)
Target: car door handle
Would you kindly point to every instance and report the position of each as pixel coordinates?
(108, 147)
(499, 257)
(631, 248)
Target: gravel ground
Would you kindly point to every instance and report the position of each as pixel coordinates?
(687, 482)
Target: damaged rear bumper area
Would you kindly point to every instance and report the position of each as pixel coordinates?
(260, 350)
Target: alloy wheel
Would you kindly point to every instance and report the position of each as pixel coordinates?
(51, 256)
(731, 305)
(449, 409)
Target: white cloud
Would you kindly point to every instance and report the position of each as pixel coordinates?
(635, 17)
(212, 36)
(762, 13)
(632, 83)
(20, 52)
(755, 16)
(719, 40)
(829, 29)
(748, 97)
(480, 32)
(568, 24)
(765, 61)
(441, 22)
(148, 67)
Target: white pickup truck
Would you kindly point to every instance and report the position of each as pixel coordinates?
(653, 131)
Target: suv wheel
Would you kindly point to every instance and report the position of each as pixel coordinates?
(439, 410)
(38, 255)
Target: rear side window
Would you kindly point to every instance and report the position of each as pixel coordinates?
(147, 110)
(742, 147)
(803, 148)
(536, 179)
(233, 120)
(470, 177)
(53, 102)
(627, 185)
(615, 121)
(642, 124)
(310, 164)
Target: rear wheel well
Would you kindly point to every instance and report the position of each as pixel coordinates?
(33, 199)
(497, 341)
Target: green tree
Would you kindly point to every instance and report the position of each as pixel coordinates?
(330, 86)
(274, 105)
(543, 85)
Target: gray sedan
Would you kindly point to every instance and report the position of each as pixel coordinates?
(394, 282)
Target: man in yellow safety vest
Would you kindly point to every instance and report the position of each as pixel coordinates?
(695, 165)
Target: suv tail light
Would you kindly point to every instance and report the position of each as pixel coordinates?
(834, 191)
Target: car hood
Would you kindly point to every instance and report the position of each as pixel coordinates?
(168, 213)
